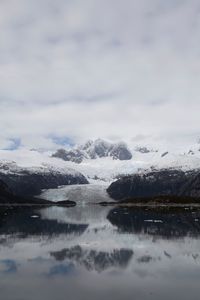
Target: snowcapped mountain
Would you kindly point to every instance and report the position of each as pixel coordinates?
(93, 150)
(95, 166)
(30, 181)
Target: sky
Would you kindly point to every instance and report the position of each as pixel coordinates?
(72, 70)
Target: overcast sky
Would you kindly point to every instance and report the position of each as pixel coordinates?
(117, 69)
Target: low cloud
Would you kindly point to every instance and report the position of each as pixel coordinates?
(113, 69)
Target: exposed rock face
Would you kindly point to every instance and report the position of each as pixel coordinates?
(158, 183)
(6, 196)
(31, 181)
(192, 187)
(120, 152)
(164, 154)
(4, 188)
(74, 155)
(95, 149)
(143, 150)
(4, 192)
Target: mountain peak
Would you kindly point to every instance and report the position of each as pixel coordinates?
(95, 149)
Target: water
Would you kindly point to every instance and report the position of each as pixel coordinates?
(93, 252)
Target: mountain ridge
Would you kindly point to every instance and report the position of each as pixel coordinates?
(95, 149)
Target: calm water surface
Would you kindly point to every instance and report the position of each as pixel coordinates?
(90, 252)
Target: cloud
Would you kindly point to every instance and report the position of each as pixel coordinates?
(113, 69)
(13, 144)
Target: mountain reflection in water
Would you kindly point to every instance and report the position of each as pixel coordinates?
(167, 222)
(95, 260)
(90, 252)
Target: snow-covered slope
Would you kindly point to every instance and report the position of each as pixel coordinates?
(104, 169)
(29, 174)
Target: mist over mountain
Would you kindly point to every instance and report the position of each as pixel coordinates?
(99, 160)
(93, 150)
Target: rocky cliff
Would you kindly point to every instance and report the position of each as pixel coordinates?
(31, 181)
(93, 150)
(158, 183)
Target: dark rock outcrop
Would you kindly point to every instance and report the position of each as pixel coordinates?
(30, 182)
(101, 148)
(192, 187)
(121, 152)
(7, 197)
(157, 183)
(65, 203)
(4, 188)
(143, 150)
(74, 155)
(33, 184)
(93, 150)
(164, 154)
(4, 192)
